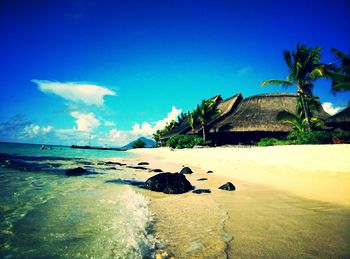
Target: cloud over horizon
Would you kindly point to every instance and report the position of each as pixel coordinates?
(331, 109)
(85, 121)
(146, 128)
(89, 94)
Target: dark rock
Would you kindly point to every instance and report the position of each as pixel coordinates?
(157, 170)
(143, 163)
(186, 170)
(137, 167)
(168, 183)
(210, 172)
(77, 172)
(199, 191)
(111, 168)
(114, 163)
(86, 163)
(202, 179)
(228, 187)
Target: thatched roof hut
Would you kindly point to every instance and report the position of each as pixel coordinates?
(259, 114)
(340, 120)
(247, 120)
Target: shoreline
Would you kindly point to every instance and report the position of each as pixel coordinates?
(264, 219)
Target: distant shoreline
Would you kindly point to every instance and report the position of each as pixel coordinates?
(97, 148)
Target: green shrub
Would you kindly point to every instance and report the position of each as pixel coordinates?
(311, 137)
(308, 137)
(185, 141)
(264, 142)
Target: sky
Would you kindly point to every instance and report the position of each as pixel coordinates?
(117, 70)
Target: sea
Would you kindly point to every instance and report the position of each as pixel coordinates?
(46, 214)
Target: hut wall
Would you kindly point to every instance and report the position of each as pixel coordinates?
(245, 138)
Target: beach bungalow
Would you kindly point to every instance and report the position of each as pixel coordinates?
(246, 121)
(256, 117)
(340, 121)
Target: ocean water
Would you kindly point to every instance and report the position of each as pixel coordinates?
(45, 214)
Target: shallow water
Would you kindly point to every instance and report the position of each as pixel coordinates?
(44, 214)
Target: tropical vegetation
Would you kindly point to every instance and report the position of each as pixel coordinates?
(339, 72)
(186, 141)
(308, 137)
(304, 68)
(201, 115)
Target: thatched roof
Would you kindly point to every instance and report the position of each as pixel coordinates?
(259, 113)
(340, 118)
(225, 106)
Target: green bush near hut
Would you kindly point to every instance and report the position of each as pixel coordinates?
(308, 137)
(186, 141)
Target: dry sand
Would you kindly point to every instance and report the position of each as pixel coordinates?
(319, 172)
(290, 202)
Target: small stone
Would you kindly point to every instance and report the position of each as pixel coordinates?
(210, 172)
(202, 179)
(228, 187)
(143, 163)
(186, 170)
(200, 191)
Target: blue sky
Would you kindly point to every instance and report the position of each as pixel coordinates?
(120, 69)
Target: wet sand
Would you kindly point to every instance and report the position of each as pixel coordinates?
(266, 216)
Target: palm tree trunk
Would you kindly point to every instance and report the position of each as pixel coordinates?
(203, 133)
(305, 109)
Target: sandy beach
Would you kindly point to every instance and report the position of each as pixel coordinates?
(290, 202)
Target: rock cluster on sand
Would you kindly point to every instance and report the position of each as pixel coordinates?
(228, 187)
(77, 172)
(186, 170)
(168, 183)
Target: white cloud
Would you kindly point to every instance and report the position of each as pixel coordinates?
(115, 134)
(85, 121)
(88, 94)
(109, 123)
(146, 128)
(33, 130)
(331, 109)
(47, 129)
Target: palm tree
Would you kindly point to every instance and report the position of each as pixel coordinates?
(340, 74)
(304, 68)
(181, 117)
(202, 114)
(298, 120)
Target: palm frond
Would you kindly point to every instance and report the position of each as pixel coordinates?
(341, 87)
(316, 73)
(276, 82)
